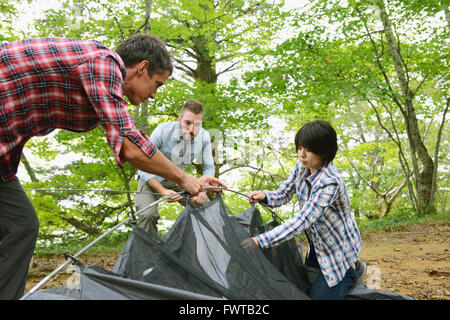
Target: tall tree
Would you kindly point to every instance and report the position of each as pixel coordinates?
(424, 168)
(393, 57)
(208, 38)
(211, 38)
(213, 31)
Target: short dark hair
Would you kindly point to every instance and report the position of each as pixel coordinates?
(193, 106)
(146, 47)
(318, 137)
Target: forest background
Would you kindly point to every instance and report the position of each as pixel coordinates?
(377, 70)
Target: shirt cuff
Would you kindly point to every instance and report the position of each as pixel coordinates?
(261, 241)
(141, 140)
(268, 199)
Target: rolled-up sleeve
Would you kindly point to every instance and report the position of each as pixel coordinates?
(102, 81)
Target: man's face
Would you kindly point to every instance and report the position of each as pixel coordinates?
(190, 124)
(140, 86)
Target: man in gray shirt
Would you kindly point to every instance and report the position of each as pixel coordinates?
(182, 142)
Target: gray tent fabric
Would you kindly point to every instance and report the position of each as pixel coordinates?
(99, 284)
(362, 292)
(61, 293)
(201, 258)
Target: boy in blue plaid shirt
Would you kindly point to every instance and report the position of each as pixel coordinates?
(324, 212)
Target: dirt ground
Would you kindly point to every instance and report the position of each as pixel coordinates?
(413, 261)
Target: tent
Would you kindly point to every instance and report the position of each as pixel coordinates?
(201, 258)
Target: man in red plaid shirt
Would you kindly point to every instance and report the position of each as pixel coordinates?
(58, 83)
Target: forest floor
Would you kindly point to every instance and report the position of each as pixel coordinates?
(413, 260)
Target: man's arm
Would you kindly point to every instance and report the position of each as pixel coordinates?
(158, 164)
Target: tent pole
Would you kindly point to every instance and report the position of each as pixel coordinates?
(69, 258)
(262, 204)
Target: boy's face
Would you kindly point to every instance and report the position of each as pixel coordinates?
(308, 159)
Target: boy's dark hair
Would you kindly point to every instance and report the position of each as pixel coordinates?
(318, 137)
(146, 47)
(193, 106)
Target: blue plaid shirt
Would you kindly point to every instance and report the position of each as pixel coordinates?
(325, 211)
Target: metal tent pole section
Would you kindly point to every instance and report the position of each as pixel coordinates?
(240, 193)
(70, 257)
(225, 189)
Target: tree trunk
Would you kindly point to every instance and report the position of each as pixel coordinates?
(148, 12)
(205, 72)
(142, 112)
(423, 172)
(80, 225)
(29, 169)
(206, 66)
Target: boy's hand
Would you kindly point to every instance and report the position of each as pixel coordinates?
(250, 244)
(256, 196)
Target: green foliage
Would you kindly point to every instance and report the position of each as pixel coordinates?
(8, 15)
(112, 242)
(328, 60)
(92, 167)
(340, 60)
(400, 220)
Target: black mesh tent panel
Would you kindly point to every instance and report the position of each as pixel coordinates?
(202, 253)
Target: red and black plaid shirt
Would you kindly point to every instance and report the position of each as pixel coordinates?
(51, 83)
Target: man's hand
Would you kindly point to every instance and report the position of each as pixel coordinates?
(191, 184)
(209, 181)
(194, 185)
(168, 192)
(200, 198)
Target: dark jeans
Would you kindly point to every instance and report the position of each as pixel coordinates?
(320, 289)
(19, 227)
